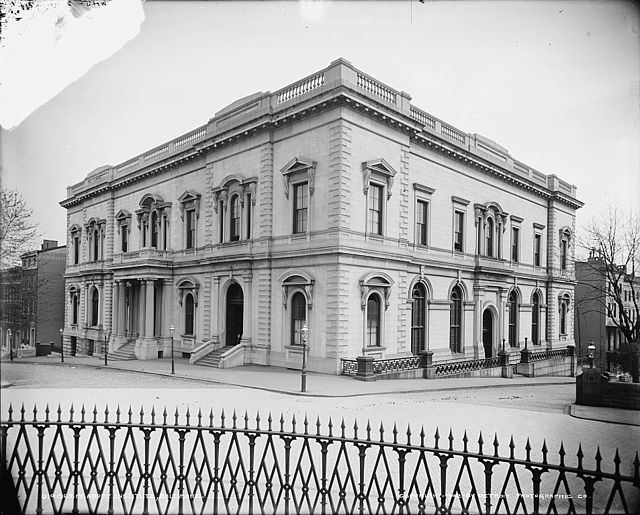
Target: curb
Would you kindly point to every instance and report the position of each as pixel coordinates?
(300, 394)
(572, 409)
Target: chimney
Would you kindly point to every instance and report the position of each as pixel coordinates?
(49, 244)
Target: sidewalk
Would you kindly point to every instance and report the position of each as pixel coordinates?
(287, 381)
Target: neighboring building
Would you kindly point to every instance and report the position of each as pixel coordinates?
(332, 203)
(595, 308)
(32, 297)
(11, 319)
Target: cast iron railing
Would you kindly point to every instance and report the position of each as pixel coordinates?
(460, 367)
(548, 354)
(128, 464)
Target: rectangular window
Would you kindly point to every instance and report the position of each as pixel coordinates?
(458, 231)
(515, 237)
(124, 238)
(165, 233)
(300, 207)
(221, 221)
(422, 213)
(375, 209)
(249, 216)
(76, 250)
(537, 247)
(563, 254)
(190, 217)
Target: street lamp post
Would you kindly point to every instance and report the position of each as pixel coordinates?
(591, 352)
(304, 332)
(172, 330)
(62, 345)
(106, 345)
(10, 344)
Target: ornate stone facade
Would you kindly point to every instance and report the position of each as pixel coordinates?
(333, 203)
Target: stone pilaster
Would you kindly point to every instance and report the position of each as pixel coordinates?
(339, 180)
(403, 194)
(266, 190)
(404, 314)
(337, 322)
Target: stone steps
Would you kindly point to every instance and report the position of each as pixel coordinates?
(213, 358)
(124, 353)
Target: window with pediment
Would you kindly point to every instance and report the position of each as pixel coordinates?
(190, 213)
(74, 297)
(378, 176)
(123, 224)
(153, 219)
(491, 223)
(565, 240)
(298, 176)
(95, 231)
(188, 299)
(76, 232)
(233, 203)
(375, 293)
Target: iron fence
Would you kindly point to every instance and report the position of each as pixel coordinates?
(461, 367)
(132, 463)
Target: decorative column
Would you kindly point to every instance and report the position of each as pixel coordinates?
(247, 309)
(215, 310)
(115, 310)
(146, 346)
(149, 311)
(167, 315)
(477, 324)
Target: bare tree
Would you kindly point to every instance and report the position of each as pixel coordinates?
(613, 243)
(18, 232)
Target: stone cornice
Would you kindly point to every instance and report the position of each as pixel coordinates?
(341, 93)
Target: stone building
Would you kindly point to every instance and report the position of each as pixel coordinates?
(30, 299)
(332, 203)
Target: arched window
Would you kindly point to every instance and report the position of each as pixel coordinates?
(564, 311)
(373, 321)
(455, 320)
(535, 320)
(489, 238)
(189, 314)
(513, 318)
(234, 229)
(155, 229)
(75, 304)
(418, 318)
(298, 317)
(95, 300)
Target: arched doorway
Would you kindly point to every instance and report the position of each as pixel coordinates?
(235, 302)
(487, 333)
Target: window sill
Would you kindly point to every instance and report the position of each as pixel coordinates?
(374, 349)
(374, 236)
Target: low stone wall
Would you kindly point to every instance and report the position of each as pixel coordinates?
(621, 395)
(549, 367)
(595, 389)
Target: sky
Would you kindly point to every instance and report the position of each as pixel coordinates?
(555, 83)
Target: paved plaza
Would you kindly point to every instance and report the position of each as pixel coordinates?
(538, 410)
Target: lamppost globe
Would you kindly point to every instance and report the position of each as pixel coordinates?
(172, 330)
(591, 353)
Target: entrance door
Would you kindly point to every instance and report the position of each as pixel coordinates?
(487, 333)
(235, 301)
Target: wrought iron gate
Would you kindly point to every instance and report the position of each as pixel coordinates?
(93, 462)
